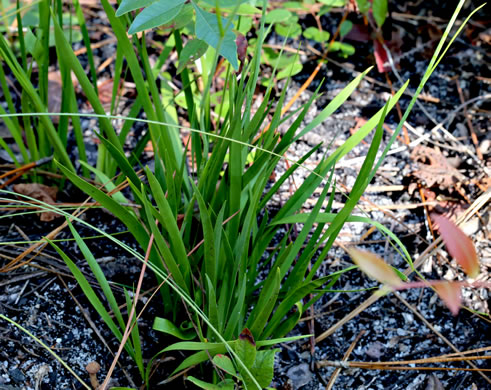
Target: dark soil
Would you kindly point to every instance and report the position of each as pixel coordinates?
(44, 298)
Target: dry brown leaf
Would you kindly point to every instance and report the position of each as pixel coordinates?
(42, 193)
(434, 169)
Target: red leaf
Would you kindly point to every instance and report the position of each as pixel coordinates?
(459, 246)
(381, 57)
(375, 267)
(449, 293)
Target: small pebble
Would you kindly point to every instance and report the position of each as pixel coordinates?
(299, 375)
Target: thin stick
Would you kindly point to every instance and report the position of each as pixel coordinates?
(345, 358)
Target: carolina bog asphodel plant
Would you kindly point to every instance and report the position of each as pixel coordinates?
(228, 296)
(458, 245)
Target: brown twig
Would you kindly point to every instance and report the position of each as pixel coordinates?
(336, 372)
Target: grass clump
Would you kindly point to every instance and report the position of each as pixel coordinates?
(202, 219)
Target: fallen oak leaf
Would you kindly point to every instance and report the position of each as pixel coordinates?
(40, 192)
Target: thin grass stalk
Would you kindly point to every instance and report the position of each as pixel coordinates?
(47, 348)
(86, 39)
(20, 33)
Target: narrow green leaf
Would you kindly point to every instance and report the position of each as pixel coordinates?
(266, 304)
(108, 184)
(92, 297)
(169, 222)
(227, 384)
(133, 225)
(208, 237)
(334, 104)
(99, 275)
(165, 326)
(197, 346)
(212, 308)
(162, 246)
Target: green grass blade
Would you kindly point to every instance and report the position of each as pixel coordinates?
(169, 222)
(99, 275)
(90, 293)
(334, 104)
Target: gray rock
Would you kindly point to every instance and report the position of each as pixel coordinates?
(299, 375)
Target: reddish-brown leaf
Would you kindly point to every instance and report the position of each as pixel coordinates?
(449, 293)
(459, 246)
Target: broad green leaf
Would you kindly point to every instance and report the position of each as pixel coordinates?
(246, 348)
(193, 50)
(375, 267)
(459, 246)
(345, 28)
(345, 48)
(155, 15)
(230, 6)
(291, 30)
(263, 367)
(277, 15)
(277, 60)
(131, 5)
(245, 25)
(184, 18)
(165, 326)
(363, 6)
(315, 34)
(290, 70)
(225, 363)
(208, 30)
(379, 9)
